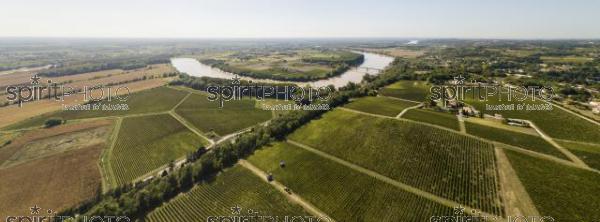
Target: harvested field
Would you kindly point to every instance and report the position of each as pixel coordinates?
(55, 182)
(26, 146)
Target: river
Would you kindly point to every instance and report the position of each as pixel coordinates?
(371, 65)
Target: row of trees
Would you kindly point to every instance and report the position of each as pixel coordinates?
(104, 65)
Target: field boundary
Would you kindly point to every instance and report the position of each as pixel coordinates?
(578, 142)
(406, 100)
(407, 109)
(522, 150)
(566, 152)
(398, 184)
(181, 101)
(180, 161)
(461, 123)
(281, 188)
(184, 122)
(108, 176)
(542, 156)
(517, 201)
(576, 114)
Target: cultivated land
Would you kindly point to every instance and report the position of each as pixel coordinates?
(557, 123)
(236, 186)
(148, 142)
(45, 142)
(57, 144)
(273, 104)
(234, 116)
(410, 90)
(340, 191)
(527, 141)
(132, 79)
(353, 166)
(429, 116)
(459, 168)
(54, 168)
(299, 65)
(90, 79)
(380, 105)
(155, 100)
(589, 153)
(563, 192)
(55, 182)
(492, 122)
(404, 52)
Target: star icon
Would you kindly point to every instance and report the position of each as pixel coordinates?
(459, 210)
(35, 209)
(236, 80)
(35, 79)
(236, 210)
(459, 80)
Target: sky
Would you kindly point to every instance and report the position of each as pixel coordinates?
(529, 19)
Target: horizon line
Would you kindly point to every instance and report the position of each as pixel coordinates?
(309, 38)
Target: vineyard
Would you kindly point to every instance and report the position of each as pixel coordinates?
(526, 141)
(146, 143)
(341, 192)
(273, 103)
(587, 152)
(557, 123)
(154, 100)
(411, 90)
(458, 167)
(437, 118)
(380, 105)
(234, 187)
(235, 115)
(563, 192)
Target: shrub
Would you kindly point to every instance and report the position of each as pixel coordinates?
(52, 122)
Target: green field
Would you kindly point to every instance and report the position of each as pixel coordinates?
(341, 192)
(458, 167)
(411, 90)
(235, 115)
(148, 101)
(236, 186)
(288, 64)
(146, 143)
(526, 141)
(267, 103)
(587, 152)
(566, 193)
(437, 118)
(566, 59)
(380, 105)
(557, 123)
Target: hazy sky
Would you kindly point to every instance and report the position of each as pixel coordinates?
(296, 18)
